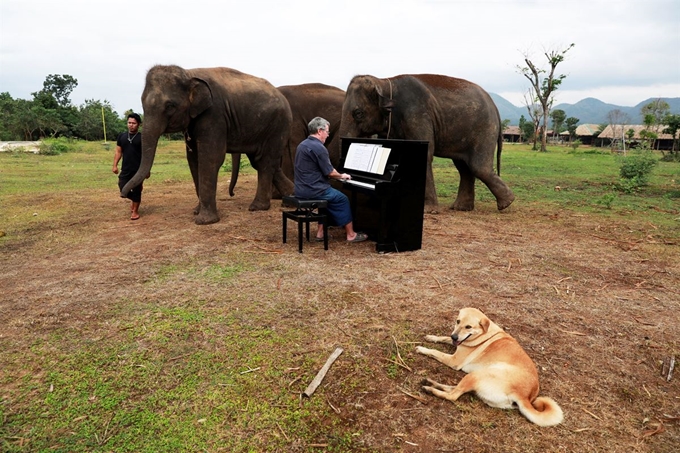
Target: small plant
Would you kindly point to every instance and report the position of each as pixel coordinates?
(54, 147)
(607, 200)
(575, 144)
(635, 170)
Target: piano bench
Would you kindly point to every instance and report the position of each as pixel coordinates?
(306, 211)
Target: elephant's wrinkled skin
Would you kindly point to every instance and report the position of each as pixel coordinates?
(220, 110)
(457, 117)
(306, 102)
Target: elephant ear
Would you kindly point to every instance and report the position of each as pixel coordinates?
(385, 104)
(200, 97)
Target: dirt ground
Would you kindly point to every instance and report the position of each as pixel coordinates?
(595, 303)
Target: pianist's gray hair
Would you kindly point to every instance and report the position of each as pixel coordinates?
(316, 124)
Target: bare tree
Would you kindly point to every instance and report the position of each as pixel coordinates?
(617, 118)
(544, 85)
(534, 110)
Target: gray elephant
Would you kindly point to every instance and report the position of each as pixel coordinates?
(220, 110)
(457, 117)
(306, 101)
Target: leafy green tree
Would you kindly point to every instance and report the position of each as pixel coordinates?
(558, 117)
(59, 88)
(544, 86)
(572, 124)
(526, 129)
(91, 125)
(672, 123)
(55, 95)
(504, 125)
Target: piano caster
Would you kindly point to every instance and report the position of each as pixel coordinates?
(306, 211)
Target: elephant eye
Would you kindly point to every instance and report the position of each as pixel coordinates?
(358, 115)
(170, 106)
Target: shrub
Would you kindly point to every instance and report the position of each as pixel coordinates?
(635, 170)
(575, 144)
(54, 147)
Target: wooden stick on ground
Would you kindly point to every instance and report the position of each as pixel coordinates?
(322, 373)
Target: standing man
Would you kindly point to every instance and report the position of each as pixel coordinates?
(313, 170)
(129, 147)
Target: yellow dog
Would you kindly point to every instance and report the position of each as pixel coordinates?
(499, 371)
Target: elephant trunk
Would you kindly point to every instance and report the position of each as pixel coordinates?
(150, 138)
(235, 167)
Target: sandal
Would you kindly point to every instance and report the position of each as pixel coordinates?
(360, 237)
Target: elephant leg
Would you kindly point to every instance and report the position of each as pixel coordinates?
(210, 159)
(265, 177)
(500, 190)
(282, 184)
(465, 200)
(192, 159)
(431, 203)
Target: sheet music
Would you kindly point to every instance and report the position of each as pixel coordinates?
(367, 157)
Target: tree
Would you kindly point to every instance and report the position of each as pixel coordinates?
(55, 95)
(558, 116)
(90, 126)
(672, 123)
(654, 114)
(571, 127)
(544, 86)
(616, 118)
(59, 87)
(535, 114)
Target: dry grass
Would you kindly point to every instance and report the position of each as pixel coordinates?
(595, 304)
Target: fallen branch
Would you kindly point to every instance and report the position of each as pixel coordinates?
(283, 432)
(644, 323)
(322, 373)
(571, 332)
(591, 414)
(667, 368)
(401, 361)
(250, 370)
(415, 397)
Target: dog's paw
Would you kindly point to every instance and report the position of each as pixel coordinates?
(421, 350)
(432, 338)
(427, 382)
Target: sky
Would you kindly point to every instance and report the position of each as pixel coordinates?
(625, 51)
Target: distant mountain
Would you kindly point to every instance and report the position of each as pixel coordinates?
(588, 111)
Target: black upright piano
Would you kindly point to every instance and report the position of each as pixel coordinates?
(387, 190)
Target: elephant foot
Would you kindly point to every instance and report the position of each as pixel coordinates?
(431, 208)
(504, 203)
(463, 206)
(259, 206)
(197, 209)
(206, 219)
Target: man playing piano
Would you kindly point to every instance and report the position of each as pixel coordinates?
(313, 170)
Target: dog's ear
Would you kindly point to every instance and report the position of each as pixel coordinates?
(485, 323)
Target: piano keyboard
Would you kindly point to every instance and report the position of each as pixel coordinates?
(359, 183)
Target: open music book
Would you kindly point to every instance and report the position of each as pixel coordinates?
(370, 158)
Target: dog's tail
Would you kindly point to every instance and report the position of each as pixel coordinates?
(543, 411)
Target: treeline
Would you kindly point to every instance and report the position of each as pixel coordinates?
(50, 114)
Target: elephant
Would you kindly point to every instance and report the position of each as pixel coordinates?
(457, 117)
(306, 101)
(219, 110)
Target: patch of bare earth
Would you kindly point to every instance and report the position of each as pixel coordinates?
(595, 304)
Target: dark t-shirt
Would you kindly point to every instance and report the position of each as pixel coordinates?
(132, 154)
(312, 167)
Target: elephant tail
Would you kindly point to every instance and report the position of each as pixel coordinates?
(235, 166)
(498, 153)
